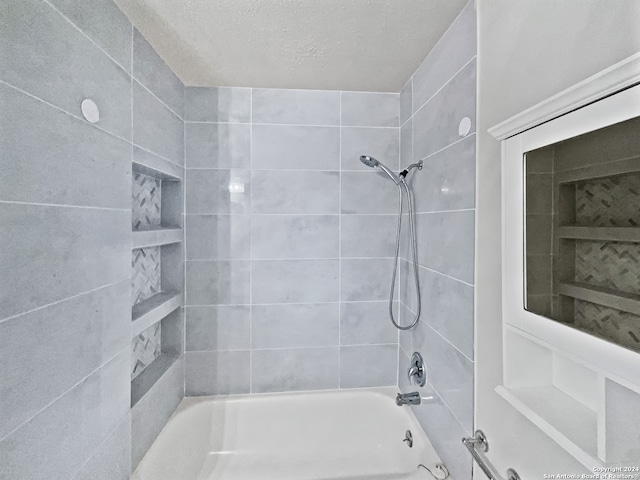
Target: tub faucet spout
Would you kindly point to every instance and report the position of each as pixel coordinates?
(412, 398)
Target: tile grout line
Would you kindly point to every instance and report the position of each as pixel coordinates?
(460, 140)
(93, 125)
(281, 304)
(66, 112)
(59, 205)
(12, 317)
(448, 407)
(340, 245)
(328, 214)
(444, 85)
(310, 125)
(102, 443)
(131, 204)
(184, 249)
(307, 347)
(69, 390)
(448, 342)
(99, 47)
(251, 91)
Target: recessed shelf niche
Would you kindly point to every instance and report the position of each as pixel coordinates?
(157, 272)
(582, 228)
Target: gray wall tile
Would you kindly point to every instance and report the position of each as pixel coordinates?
(403, 361)
(79, 421)
(72, 158)
(112, 460)
(444, 431)
(446, 242)
(435, 126)
(151, 413)
(299, 107)
(152, 72)
(407, 284)
(449, 372)
(294, 236)
(448, 309)
(299, 281)
(295, 192)
(380, 143)
(217, 282)
(370, 109)
(81, 334)
(218, 145)
(217, 373)
(447, 181)
(443, 91)
(405, 337)
(365, 279)
(295, 147)
(39, 43)
(221, 104)
(456, 47)
(155, 127)
(368, 192)
(218, 237)
(218, 327)
(406, 144)
(284, 370)
(51, 253)
(368, 235)
(104, 23)
(208, 191)
(286, 326)
(172, 333)
(366, 323)
(150, 164)
(368, 366)
(406, 102)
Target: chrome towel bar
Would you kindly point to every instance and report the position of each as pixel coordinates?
(477, 446)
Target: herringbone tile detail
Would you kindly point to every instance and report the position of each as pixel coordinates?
(609, 202)
(144, 349)
(145, 211)
(614, 325)
(145, 276)
(614, 265)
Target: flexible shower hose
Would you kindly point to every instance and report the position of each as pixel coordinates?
(412, 228)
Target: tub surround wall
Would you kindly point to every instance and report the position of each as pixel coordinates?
(288, 240)
(440, 93)
(65, 214)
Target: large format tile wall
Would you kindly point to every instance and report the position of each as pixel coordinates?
(289, 240)
(65, 247)
(438, 96)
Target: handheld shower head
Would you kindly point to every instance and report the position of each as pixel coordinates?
(369, 161)
(372, 162)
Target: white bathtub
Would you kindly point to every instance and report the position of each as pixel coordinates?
(344, 434)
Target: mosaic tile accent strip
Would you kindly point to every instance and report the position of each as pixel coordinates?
(614, 265)
(145, 211)
(609, 202)
(145, 348)
(616, 326)
(145, 276)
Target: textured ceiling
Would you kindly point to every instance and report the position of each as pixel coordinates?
(365, 45)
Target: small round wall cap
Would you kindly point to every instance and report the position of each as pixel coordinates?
(90, 110)
(464, 127)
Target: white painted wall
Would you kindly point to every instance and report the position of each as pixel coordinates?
(528, 50)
